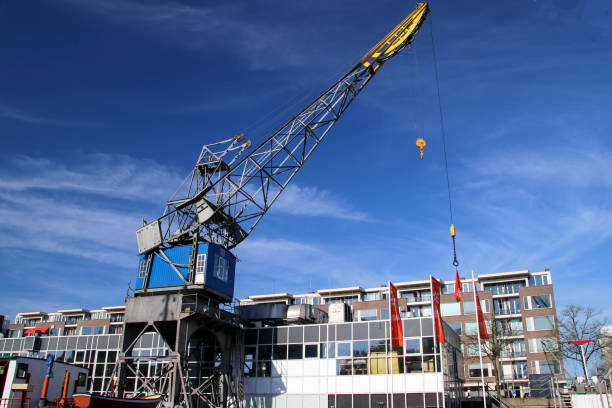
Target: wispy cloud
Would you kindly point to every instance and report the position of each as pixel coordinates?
(115, 176)
(288, 265)
(312, 201)
(267, 45)
(10, 112)
(88, 209)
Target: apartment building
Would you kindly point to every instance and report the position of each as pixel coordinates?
(70, 322)
(520, 304)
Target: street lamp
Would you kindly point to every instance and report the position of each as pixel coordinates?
(581, 343)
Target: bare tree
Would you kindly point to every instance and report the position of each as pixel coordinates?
(502, 337)
(583, 323)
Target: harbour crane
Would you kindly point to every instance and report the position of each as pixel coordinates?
(186, 268)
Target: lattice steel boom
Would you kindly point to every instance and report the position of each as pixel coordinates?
(230, 188)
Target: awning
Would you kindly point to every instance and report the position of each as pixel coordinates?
(33, 330)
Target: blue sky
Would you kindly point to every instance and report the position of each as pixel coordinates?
(104, 106)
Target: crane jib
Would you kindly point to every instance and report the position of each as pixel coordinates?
(228, 192)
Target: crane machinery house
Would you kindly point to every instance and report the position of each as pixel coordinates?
(214, 269)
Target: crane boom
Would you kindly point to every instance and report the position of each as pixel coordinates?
(229, 190)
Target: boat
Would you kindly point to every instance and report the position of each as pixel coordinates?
(100, 401)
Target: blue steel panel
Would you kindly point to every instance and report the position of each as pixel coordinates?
(211, 279)
(162, 274)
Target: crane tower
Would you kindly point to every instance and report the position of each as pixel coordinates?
(186, 267)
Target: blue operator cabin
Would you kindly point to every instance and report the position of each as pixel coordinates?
(169, 268)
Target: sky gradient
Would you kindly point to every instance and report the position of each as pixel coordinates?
(104, 106)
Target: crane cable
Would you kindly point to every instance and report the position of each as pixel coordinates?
(448, 188)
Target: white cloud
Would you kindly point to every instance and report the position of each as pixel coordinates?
(312, 201)
(224, 25)
(533, 211)
(13, 113)
(269, 264)
(114, 176)
(77, 209)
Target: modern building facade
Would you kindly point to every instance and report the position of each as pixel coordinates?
(521, 304)
(331, 348)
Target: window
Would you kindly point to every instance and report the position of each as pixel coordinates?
(484, 305)
(115, 330)
(200, 269)
(471, 328)
(295, 352)
(456, 327)
(344, 366)
(413, 365)
(510, 327)
(447, 288)
(360, 348)
(85, 330)
(450, 309)
(543, 345)
(142, 269)
(471, 349)
(344, 349)
(468, 307)
(371, 296)
(323, 350)
(507, 306)
(221, 268)
(474, 370)
(384, 314)
(468, 287)
(279, 352)
(98, 330)
(311, 350)
(22, 370)
(505, 287)
(425, 311)
(368, 314)
(428, 345)
(540, 323)
(538, 302)
(545, 367)
(413, 346)
(538, 280)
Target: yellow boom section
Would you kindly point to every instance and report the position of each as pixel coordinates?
(397, 39)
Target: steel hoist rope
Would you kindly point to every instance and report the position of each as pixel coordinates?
(443, 133)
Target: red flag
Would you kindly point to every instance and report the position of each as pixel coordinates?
(397, 331)
(482, 327)
(435, 298)
(458, 286)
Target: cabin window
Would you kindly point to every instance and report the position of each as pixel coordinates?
(22, 370)
(221, 268)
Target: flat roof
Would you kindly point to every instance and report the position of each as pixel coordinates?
(32, 314)
(114, 308)
(71, 311)
(524, 272)
(350, 289)
(271, 296)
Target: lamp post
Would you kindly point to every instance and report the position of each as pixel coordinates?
(581, 343)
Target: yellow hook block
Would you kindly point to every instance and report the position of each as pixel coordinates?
(421, 144)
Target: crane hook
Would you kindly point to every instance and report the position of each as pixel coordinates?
(420, 142)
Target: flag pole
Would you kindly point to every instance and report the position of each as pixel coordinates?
(390, 340)
(433, 326)
(484, 395)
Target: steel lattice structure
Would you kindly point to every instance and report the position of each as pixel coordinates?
(232, 187)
